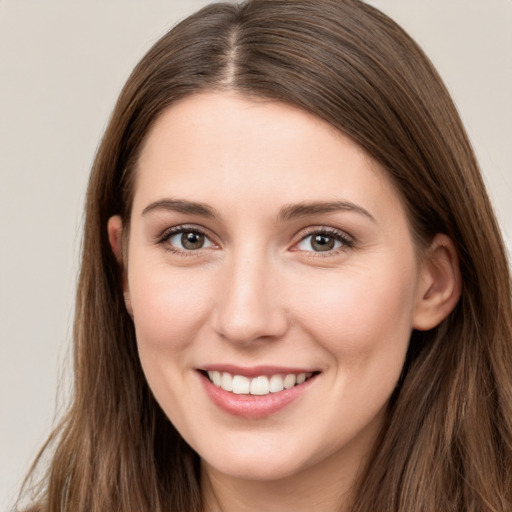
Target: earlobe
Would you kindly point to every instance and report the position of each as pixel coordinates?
(440, 284)
(115, 237)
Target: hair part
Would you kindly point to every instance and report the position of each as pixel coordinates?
(447, 442)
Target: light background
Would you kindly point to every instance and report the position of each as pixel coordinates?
(62, 64)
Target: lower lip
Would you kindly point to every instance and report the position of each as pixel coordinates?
(253, 406)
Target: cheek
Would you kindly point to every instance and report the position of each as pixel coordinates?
(169, 311)
(361, 313)
(169, 306)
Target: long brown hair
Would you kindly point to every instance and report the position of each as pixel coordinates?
(447, 441)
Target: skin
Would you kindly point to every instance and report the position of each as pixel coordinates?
(258, 293)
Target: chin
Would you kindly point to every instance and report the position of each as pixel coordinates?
(252, 470)
(257, 463)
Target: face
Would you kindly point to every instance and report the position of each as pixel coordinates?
(273, 284)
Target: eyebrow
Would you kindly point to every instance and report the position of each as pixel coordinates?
(286, 213)
(181, 206)
(303, 209)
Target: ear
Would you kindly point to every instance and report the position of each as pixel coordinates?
(115, 237)
(440, 284)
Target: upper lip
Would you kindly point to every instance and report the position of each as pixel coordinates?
(256, 371)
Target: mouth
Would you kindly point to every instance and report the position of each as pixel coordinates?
(258, 392)
(260, 385)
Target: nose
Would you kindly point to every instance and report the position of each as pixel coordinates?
(250, 307)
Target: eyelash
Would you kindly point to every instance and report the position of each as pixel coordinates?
(346, 241)
(164, 238)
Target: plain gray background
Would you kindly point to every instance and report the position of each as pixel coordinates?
(62, 64)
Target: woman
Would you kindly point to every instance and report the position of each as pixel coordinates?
(294, 293)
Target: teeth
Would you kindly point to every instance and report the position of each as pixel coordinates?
(276, 383)
(262, 385)
(215, 378)
(226, 382)
(289, 381)
(301, 378)
(241, 385)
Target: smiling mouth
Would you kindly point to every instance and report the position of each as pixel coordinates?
(261, 385)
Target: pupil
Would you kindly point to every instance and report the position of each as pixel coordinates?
(192, 240)
(322, 243)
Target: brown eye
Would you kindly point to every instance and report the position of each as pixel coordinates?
(186, 240)
(322, 243)
(325, 241)
(192, 240)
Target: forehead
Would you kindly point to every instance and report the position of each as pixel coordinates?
(226, 146)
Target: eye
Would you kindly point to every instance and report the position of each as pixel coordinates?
(186, 240)
(325, 241)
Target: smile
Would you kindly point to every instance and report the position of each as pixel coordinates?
(261, 385)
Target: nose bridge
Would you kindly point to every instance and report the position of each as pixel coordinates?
(249, 307)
